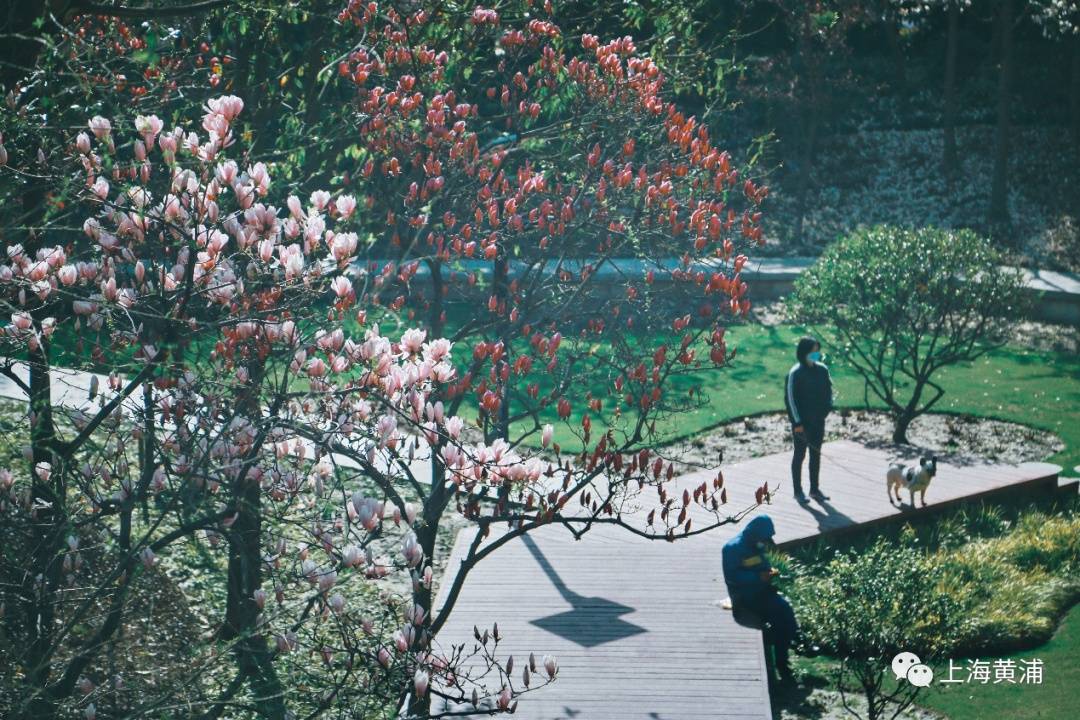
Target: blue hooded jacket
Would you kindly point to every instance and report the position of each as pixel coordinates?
(744, 561)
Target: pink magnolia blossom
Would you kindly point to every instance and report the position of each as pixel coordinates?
(343, 246)
(412, 341)
(316, 367)
(345, 205)
(411, 550)
(341, 286)
(259, 597)
(101, 188)
(228, 106)
(148, 126)
(320, 199)
(101, 127)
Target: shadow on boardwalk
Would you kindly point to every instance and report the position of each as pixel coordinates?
(590, 621)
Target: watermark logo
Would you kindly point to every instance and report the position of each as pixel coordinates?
(1002, 670)
(904, 662)
(908, 666)
(920, 675)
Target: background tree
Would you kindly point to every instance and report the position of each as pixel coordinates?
(817, 30)
(1060, 20)
(515, 196)
(899, 305)
(950, 161)
(999, 219)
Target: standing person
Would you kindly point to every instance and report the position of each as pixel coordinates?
(808, 397)
(754, 600)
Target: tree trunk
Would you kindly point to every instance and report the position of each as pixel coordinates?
(999, 190)
(1074, 94)
(426, 536)
(808, 92)
(896, 49)
(38, 592)
(501, 288)
(950, 164)
(47, 536)
(253, 658)
(901, 423)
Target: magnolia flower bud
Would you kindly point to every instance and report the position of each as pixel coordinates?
(420, 682)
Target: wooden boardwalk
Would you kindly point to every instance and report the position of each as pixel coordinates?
(636, 625)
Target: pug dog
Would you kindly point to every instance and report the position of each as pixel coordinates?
(916, 478)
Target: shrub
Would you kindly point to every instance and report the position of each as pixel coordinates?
(865, 607)
(1016, 586)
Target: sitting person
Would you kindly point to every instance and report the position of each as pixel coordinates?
(754, 600)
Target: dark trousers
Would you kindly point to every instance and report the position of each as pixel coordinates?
(811, 437)
(772, 612)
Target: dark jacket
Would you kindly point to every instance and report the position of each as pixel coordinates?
(808, 394)
(744, 561)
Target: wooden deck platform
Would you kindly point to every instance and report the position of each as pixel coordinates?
(636, 625)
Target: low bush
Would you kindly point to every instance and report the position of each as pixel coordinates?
(867, 606)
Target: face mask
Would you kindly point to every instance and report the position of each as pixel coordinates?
(814, 356)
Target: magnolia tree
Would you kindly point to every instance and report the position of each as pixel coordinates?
(199, 290)
(549, 208)
(253, 413)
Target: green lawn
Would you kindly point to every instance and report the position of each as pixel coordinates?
(1051, 699)
(1041, 389)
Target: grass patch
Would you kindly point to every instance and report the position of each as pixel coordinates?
(1040, 389)
(1052, 699)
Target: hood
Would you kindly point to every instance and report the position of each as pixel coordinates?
(759, 529)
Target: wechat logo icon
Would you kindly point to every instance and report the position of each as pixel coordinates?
(907, 666)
